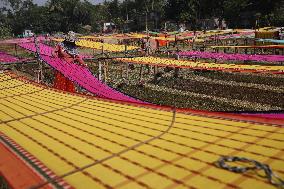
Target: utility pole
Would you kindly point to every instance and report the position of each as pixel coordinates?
(147, 10)
(147, 22)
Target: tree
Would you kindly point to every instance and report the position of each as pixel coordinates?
(5, 30)
(182, 11)
(70, 14)
(277, 16)
(65, 15)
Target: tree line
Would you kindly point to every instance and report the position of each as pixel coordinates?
(134, 15)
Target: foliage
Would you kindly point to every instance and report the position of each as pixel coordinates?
(182, 10)
(136, 15)
(5, 32)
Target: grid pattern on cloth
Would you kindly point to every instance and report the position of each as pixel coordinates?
(66, 132)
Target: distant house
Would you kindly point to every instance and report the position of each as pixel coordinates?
(109, 27)
(28, 33)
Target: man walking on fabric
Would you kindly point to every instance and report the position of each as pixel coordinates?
(67, 50)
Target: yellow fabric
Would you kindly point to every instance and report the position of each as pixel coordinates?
(116, 36)
(66, 132)
(99, 45)
(192, 64)
(213, 33)
(130, 35)
(106, 46)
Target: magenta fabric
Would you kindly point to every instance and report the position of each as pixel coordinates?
(7, 58)
(80, 75)
(44, 49)
(237, 57)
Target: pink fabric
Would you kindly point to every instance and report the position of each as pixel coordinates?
(80, 75)
(6, 58)
(238, 57)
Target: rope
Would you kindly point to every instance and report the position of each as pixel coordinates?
(255, 165)
(53, 180)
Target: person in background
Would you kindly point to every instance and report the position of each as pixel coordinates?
(67, 50)
(181, 29)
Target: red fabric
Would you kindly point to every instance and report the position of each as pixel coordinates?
(61, 82)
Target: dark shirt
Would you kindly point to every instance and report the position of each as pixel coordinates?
(69, 47)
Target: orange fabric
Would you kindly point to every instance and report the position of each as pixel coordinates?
(161, 43)
(61, 82)
(16, 172)
(161, 35)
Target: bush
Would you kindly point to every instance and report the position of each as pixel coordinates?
(5, 32)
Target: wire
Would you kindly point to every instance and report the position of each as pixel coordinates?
(269, 174)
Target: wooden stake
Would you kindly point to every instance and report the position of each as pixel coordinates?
(121, 70)
(149, 69)
(141, 73)
(105, 72)
(125, 49)
(103, 52)
(127, 71)
(16, 50)
(155, 69)
(176, 73)
(100, 70)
